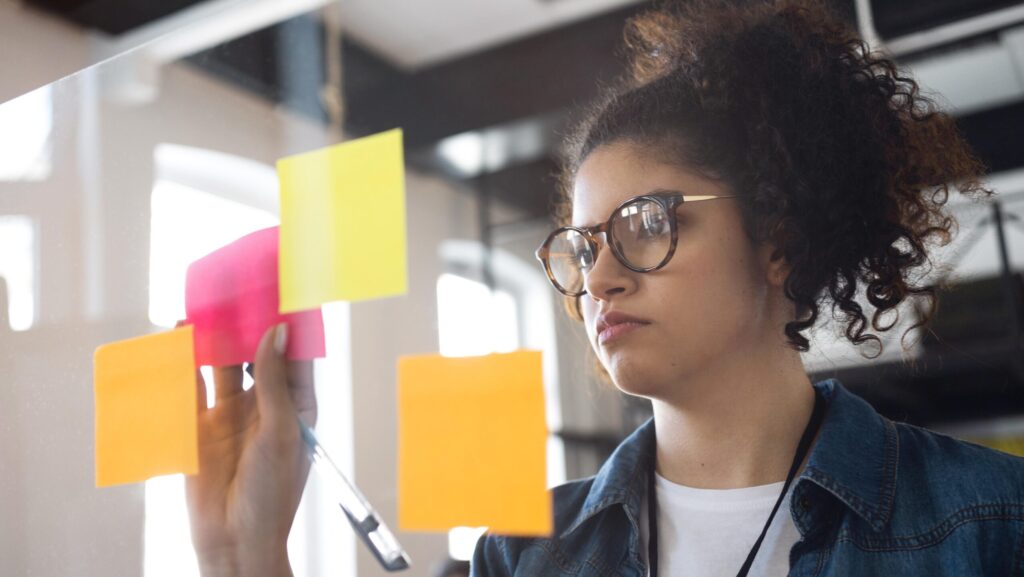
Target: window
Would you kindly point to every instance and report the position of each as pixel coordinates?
(26, 138)
(18, 271)
(202, 200)
(186, 225)
(473, 320)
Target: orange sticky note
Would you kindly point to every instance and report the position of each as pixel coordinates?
(472, 444)
(145, 391)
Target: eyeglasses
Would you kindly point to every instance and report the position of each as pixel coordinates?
(642, 233)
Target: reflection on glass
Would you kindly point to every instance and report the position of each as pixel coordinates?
(18, 270)
(25, 141)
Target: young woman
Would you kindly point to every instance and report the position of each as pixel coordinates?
(758, 168)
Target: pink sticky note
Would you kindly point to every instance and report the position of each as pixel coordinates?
(231, 298)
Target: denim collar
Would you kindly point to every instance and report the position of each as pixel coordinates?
(856, 455)
(854, 459)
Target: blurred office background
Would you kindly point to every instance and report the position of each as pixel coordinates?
(137, 136)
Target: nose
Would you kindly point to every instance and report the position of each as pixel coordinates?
(607, 277)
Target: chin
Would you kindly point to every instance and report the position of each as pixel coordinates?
(633, 378)
(642, 390)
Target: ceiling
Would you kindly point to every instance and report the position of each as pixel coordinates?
(408, 35)
(428, 33)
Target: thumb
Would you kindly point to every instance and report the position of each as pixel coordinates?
(271, 380)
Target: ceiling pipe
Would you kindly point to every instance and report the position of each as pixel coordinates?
(206, 25)
(139, 54)
(934, 37)
(866, 24)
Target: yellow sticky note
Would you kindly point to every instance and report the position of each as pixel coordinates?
(343, 223)
(472, 444)
(145, 392)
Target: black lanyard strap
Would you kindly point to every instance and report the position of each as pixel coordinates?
(805, 445)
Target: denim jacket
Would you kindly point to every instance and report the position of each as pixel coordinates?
(876, 498)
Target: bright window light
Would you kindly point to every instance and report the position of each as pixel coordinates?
(472, 321)
(187, 224)
(168, 550)
(533, 307)
(26, 138)
(464, 152)
(18, 270)
(462, 542)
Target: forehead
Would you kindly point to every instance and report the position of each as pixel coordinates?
(614, 173)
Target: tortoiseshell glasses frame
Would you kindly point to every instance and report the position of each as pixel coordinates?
(581, 262)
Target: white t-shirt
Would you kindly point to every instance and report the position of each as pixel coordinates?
(709, 532)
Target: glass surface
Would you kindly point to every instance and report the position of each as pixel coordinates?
(152, 154)
(114, 180)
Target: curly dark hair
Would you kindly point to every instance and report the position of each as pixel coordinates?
(841, 162)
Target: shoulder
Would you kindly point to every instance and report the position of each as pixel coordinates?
(950, 480)
(498, 555)
(590, 520)
(567, 503)
(935, 458)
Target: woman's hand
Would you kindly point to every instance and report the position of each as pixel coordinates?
(252, 464)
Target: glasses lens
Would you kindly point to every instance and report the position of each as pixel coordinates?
(642, 233)
(569, 256)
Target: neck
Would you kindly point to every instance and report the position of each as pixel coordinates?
(734, 426)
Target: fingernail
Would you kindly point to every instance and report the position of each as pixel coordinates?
(281, 338)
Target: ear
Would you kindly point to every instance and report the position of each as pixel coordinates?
(773, 263)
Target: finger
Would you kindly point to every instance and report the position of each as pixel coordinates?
(273, 398)
(227, 381)
(200, 381)
(303, 392)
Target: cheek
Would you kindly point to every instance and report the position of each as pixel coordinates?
(735, 297)
(705, 287)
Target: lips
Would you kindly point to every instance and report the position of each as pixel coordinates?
(614, 324)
